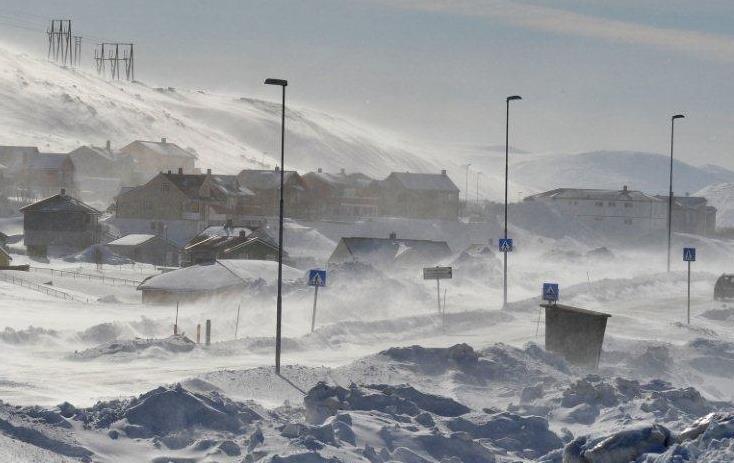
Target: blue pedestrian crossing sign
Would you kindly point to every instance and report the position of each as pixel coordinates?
(317, 277)
(550, 292)
(689, 254)
(505, 245)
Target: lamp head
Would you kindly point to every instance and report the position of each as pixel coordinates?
(678, 116)
(279, 82)
(514, 97)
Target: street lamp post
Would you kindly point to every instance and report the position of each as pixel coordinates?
(466, 189)
(279, 304)
(670, 191)
(507, 164)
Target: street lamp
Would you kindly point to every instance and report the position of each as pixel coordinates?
(507, 163)
(279, 304)
(466, 188)
(670, 192)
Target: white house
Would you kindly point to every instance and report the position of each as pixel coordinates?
(612, 212)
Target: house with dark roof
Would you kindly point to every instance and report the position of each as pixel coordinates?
(46, 173)
(61, 223)
(265, 186)
(13, 157)
(418, 196)
(229, 242)
(147, 248)
(151, 157)
(100, 172)
(610, 212)
(204, 198)
(339, 195)
(390, 253)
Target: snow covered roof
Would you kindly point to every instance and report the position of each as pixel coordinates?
(60, 203)
(389, 249)
(595, 194)
(354, 180)
(219, 275)
(134, 239)
(100, 151)
(164, 148)
(424, 182)
(189, 184)
(229, 184)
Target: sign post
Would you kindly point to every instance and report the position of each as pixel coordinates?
(505, 246)
(438, 274)
(689, 255)
(550, 295)
(316, 278)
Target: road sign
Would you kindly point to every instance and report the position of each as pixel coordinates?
(550, 292)
(437, 273)
(505, 244)
(317, 277)
(689, 254)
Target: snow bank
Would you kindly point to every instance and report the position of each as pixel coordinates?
(173, 344)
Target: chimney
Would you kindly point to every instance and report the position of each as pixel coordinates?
(108, 145)
(208, 172)
(319, 170)
(443, 172)
(277, 168)
(169, 171)
(624, 188)
(343, 171)
(163, 140)
(243, 233)
(393, 236)
(228, 225)
(63, 191)
(180, 171)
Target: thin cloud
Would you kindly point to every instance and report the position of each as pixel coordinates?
(697, 44)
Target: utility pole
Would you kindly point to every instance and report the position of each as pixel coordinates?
(670, 192)
(279, 302)
(466, 188)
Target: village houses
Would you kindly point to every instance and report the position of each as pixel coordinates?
(151, 157)
(418, 196)
(340, 195)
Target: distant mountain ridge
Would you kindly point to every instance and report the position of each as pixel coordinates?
(648, 172)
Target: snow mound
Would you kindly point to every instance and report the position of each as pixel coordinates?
(30, 335)
(173, 344)
(99, 252)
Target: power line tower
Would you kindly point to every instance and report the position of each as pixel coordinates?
(115, 56)
(77, 50)
(60, 48)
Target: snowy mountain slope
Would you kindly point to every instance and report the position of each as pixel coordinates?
(59, 109)
(613, 169)
(721, 196)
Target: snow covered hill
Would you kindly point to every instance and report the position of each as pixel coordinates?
(58, 109)
(721, 196)
(613, 169)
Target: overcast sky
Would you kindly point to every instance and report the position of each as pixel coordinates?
(594, 74)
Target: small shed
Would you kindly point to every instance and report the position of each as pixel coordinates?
(5, 258)
(151, 249)
(576, 334)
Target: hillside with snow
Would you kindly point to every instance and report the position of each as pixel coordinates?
(721, 196)
(59, 109)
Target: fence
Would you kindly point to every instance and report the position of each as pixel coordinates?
(10, 278)
(114, 281)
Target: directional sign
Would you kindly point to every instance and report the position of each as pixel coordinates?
(317, 277)
(505, 244)
(689, 254)
(550, 292)
(437, 273)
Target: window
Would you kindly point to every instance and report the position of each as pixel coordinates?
(195, 206)
(628, 221)
(164, 187)
(628, 204)
(612, 204)
(599, 204)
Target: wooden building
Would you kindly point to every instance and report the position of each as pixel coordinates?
(418, 196)
(151, 157)
(337, 196)
(228, 242)
(265, 186)
(48, 172)
(151, 249)
(5, 258)
(60, 222)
